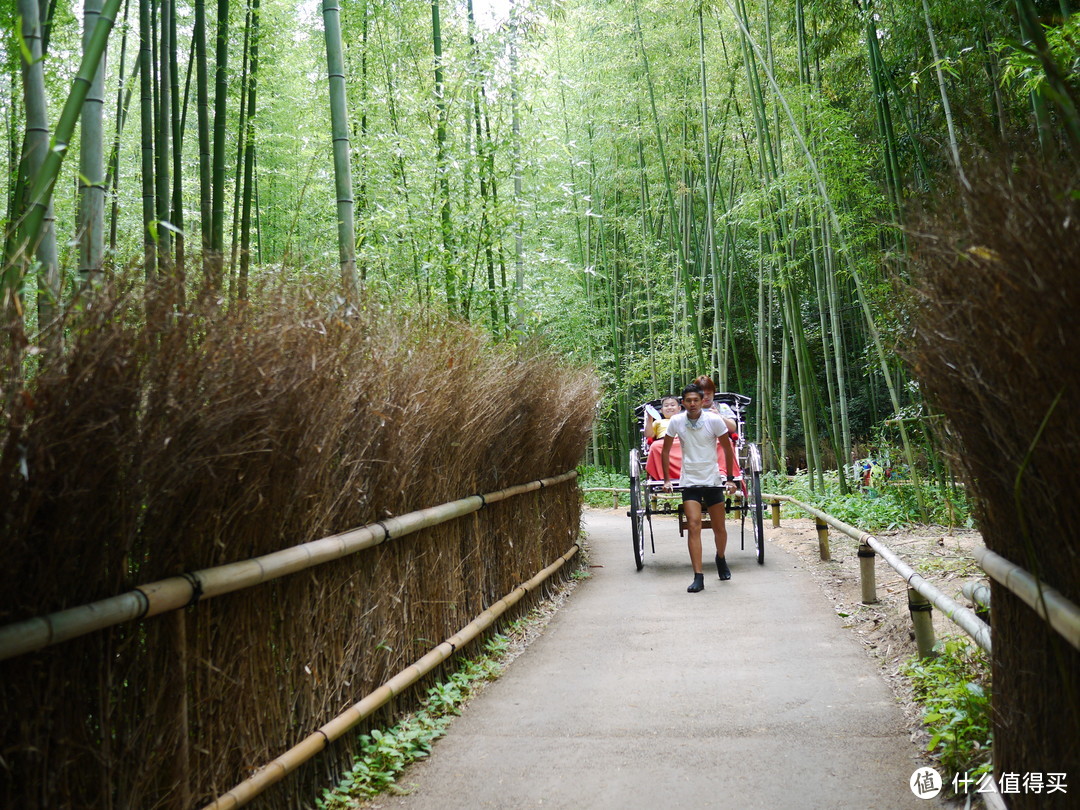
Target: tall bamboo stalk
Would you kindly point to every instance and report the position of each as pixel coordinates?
(146, 134)
(91, 218)
(339, 125)
(163, 137)
(828, 349)
(883, 114)
(124, 87)
(483, 152)
(176, 117)
(710, 264)
(954, 150)
(40, 245)
(45, 179)
(202, 103)
(449, 264)
(515, 128)
(833, 297)
(249, 157)
(242, 131)
(216, 259)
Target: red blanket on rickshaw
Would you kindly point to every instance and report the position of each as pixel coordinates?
(655, 470)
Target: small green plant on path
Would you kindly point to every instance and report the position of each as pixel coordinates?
(954, 691)
(385, 753)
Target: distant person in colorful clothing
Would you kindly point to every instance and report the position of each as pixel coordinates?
(702, 436)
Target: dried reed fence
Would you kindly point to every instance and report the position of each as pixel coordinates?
(138, 454)
(997, 349)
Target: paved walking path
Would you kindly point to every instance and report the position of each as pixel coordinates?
(640, 695)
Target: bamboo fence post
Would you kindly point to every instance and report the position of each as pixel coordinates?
(867, 577)
(776, 514)
(922, 617)
(823, 539)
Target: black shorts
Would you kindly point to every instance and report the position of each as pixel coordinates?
(706, 496)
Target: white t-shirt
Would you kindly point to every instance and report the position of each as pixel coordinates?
(699, 467)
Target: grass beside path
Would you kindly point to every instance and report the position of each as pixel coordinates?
(386, 753)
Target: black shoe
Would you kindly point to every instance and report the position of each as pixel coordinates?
(697, 585)
(722, 569)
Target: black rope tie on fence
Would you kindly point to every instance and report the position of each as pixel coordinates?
(196, 587)
(925, 607)
(144, 601)
(386, 531)
(483, 500)
(867, 552)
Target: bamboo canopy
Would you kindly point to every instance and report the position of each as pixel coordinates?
(179, 591)
(315, 742)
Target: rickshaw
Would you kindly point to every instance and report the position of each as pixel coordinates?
(647, 496)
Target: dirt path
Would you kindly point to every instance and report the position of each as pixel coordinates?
(639, 695)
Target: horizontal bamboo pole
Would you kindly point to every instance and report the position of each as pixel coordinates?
(177, 592)
(315, 742)
(1054, 607)
(963, 617)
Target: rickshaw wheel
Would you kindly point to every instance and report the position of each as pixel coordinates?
(759, 523)
(757, 509)
(637, 510)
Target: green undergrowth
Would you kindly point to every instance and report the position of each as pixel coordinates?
(589, 477)
(385, 753)
(891, 507)
(954, 691)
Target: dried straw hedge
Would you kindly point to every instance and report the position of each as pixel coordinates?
(997, 348)
(138, 454)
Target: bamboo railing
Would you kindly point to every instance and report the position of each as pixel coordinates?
(319, 739)
(180, 591)
(963, 617)
(1054, 607)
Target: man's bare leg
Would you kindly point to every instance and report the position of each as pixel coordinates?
(692, 511)
(718, 514)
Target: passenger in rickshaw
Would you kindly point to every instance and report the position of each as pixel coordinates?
(656, 428)
(704, 486)
(708, 395)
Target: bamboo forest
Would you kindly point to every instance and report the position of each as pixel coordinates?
(658, 189)
(289, 279)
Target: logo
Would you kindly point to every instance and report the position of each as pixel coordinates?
(925, 783)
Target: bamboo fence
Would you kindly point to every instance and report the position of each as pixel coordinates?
(174, 464)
